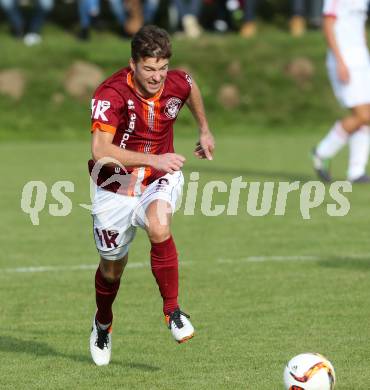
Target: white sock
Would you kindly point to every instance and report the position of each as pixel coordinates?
(333, 142)
(103, 326)
(359, 146)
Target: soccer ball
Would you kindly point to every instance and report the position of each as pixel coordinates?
(309, 371)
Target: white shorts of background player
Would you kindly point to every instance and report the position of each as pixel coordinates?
(116, 217)
(357, 91)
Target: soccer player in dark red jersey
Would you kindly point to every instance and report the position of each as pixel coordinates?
(138, 176)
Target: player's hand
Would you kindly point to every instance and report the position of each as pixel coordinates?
(343, 72)
(205, 147)
(168, 162)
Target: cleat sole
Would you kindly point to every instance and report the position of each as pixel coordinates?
(185, 339)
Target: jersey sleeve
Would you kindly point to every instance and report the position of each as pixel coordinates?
(106, 106)
(183, 83)
(330, 8)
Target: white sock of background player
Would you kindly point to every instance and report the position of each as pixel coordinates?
(359, 147)
(333, 142)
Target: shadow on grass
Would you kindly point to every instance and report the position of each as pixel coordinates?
(39, 349)
(141, 366)
(245, 173)
(361, 263)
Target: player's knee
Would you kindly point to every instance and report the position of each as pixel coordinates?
(112, 270)
(112, 275)
(159, 233)
(363, 117)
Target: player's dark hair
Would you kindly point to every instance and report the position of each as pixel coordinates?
(151, 41)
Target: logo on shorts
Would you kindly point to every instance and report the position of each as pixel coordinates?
(107, 238)
(162, 183)
(172, 107)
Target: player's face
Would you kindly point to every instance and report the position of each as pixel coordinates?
(149, 74)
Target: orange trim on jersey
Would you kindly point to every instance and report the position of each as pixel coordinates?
(148, 172)
(131, 83)
(103, 127)
(131, 185)
(157, 114)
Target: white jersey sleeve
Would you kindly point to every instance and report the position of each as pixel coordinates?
(331, 7)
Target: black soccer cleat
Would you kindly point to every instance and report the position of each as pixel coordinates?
(321, 167)
(363, 179)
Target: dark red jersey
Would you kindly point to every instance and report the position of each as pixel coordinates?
(138, 124)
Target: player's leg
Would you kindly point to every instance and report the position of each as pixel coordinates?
(107, 282)
(352, 129)
(359, 145)
(354, 95)
(164, 264)
(337, 137)
(43, 7)
(163, 254)
(348, 95)
(249, 27)
(14, 15)
(327, 148)
(154, 214)
(113, 234)
(297, 21)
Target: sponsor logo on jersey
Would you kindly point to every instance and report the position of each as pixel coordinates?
(131, 124)
(172, 107)
(98, 108)
(130, 129)
(130, 104)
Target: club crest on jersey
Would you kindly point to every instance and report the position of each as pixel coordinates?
(172, 107)
(188, 79)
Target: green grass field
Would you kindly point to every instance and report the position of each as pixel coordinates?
(250, 316)
(259, 289)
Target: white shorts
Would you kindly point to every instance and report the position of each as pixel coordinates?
(357, 91)
(117, 216)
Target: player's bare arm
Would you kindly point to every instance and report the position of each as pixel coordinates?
(206, 145)
(101, 146)
(328, 28)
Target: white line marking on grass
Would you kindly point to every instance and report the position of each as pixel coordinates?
(261, 259)
(282, 258)
(71, 268)
(249, 259)
(62, 268)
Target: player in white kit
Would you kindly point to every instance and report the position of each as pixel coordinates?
(348, 63)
